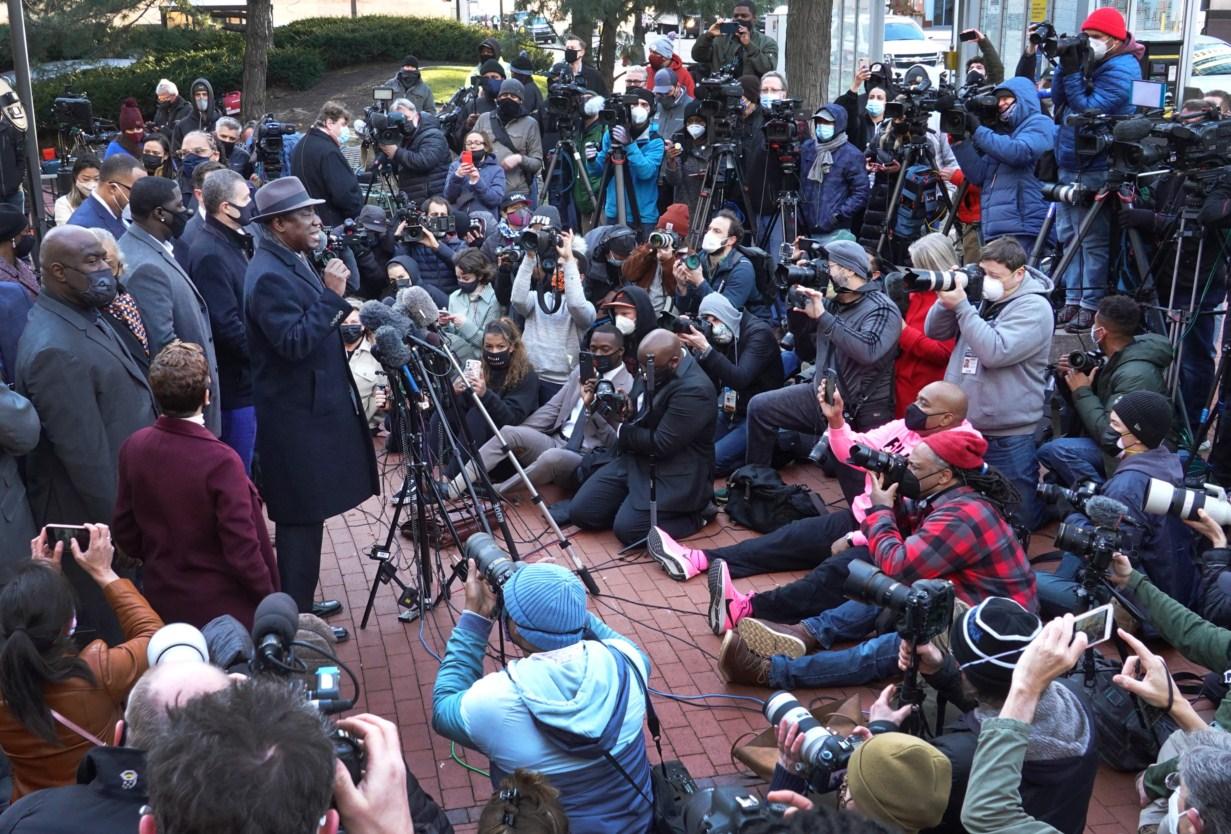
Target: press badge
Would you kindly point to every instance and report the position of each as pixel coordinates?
(970, 364)
(728, 400)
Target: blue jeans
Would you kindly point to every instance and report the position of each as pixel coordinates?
(239, 432)
(1073, 459)
(1014, 456)
(871, 660)
(1058, 591)
(730, 443)
(1085, 281)
(1197, 364)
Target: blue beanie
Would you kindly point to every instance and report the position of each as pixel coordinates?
(547, 603)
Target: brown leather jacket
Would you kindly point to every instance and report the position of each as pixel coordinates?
(640, 268)
(95, 707)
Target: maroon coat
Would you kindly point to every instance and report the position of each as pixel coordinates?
(188, 511)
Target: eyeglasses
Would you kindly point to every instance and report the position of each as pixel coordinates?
(1172, 780)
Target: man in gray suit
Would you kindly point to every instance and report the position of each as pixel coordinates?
(551, 441)
(19, 430)
(90, 395)
(170, 304)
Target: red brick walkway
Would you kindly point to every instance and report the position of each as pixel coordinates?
(664, 617)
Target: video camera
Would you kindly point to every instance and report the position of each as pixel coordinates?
(912, 99)
(924, 609)
(720, 101)
(1077, 496)
(73, 114)
(824, 753)
(977, 99)
(564, 111)
(969, 278)
(811, 274)
(380, 128)
(617, 111)
(1053, 45)
(783, 136)
(892, 468)
(267, 144)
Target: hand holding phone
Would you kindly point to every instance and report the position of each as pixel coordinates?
(1097, 623)
(968, 35)
(467, 158)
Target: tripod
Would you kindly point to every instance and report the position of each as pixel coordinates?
(915, 149)
(911, 693)
(724, 159)
(616, 170)
(560, 194)
(788, 215)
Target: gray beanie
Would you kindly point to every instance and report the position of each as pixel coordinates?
(511, 86)
(849, 254)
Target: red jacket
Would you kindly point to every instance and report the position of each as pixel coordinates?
(682, 75)
(188, 511)
(968, 211)
(922, 360)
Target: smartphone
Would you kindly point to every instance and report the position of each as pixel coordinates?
(477, 225)
(474, 367)
(1097, 623)
(467, 158)
(829, 384)
(968, 35)
(585, 364)
(66, 533)
(730, 28)
(863, 64)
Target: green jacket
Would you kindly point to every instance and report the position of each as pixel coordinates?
(1139, 367)
(993, 794)
(759, 57)
(581, 198)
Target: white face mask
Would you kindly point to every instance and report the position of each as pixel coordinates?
(640, 115)
(1173, 811)
(1098, 48)
(712, 242)
(625, 325)
(993, 289)
(722, 334)
(88, 187)
(593, 105)
(696, 131)
(1094, 338)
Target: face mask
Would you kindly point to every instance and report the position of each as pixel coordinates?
(88, 187)
(245, 213)
(912, 486)
(410, 79)
(1173, 811)
(593, 105)
(492, 86)
(519, 218)
(656, 61)
(496, 358)
(468, 287)
(151, 163)
(1007, 113)
(508, 109)
(227, 147)
(696, 131)
(993, 289)
(202, 104)
(824, 132)
(344, 135)
(712, 242)
(916, 418)
(640, 115)
(722, 334)
(875, 108)
(101, 287)
(177, 221)
(1098, 49)
(477, 156)
(1112, 442)
(625, 325)
(570, 56)
(351, 333)
(191, 162)
(605, 364)
(662, 376)
(24, 246)
(1093, 334)
(768, 99)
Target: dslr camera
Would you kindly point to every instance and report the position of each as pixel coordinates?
(607, 398)
(683, 324)
(1081, 492)
(664, 239)
(891, 467)
(924, 610)
(543, 243)
(1095, 545)
(969, 278)
(1163, 498)
(824, 753)
(1054, 46)
(1086, 361)
(493, 563)
(727, 810)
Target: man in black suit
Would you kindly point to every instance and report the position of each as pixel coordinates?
(314, 451)
(676, 429)
(319, 163)
(90, 396)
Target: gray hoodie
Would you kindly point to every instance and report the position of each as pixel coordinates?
(1000, 360)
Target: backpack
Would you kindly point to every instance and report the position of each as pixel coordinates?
(763, 269)
(918, 202)
(758, 498)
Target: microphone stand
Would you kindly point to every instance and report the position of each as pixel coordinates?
(579, 567)
(653, 462)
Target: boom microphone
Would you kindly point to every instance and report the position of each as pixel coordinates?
(419, 306)
(1105, 512)
(376, 314)
(1132, 130)
(273, 629)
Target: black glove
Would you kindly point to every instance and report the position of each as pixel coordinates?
(1071, 60)
(972, 123)
(1135, 218)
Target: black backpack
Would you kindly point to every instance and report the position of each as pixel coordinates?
(763, 269)
(758, 498)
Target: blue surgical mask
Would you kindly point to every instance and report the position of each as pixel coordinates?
(875, 108)
(344, 135)
(824, 132)
(768, 99)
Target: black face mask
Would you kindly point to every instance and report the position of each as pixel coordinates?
(101, 287)
(508, 110)
(1110, 442)
(151, 163)
(351, 333)
(410, 79)
(245, 213)
(911, 486)
(605, 364)
(496, 358)
(570, 56)
(468, 287)
(477, 157)
(24, 246)
(177, 221)
(226, 147)
(916, 419)
(662, 376)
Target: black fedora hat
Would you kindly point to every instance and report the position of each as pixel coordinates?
(282, 196)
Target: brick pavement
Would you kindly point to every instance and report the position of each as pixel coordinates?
(667, 619)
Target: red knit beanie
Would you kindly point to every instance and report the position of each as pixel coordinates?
(130, 115)
(959, 449)
(675, 218)
(1108, 21)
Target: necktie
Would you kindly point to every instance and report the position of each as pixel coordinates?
(124, 308)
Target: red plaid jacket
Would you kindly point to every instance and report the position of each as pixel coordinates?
(959, 537)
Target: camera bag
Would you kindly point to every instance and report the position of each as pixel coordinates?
(758, 498)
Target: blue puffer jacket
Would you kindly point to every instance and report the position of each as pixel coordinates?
(1003, 165)
(485, 194)
(831, 203)
(1111, 92)
(645, 157)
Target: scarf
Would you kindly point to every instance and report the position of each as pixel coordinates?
(824, 157)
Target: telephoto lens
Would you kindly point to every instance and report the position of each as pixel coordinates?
(866, 582)
(663, 239)
(892, 467)
(493, 563)
(922, 280)
(1163, 498)
(822, 749)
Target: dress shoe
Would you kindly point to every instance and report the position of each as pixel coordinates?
(1067, 313)
(727, 605)
(340, 634)
(739, 664)
(768, 639)
(1081, 323)
(681, 563)
(326, 608)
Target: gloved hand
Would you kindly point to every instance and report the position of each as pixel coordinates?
(1072, 59)
(619, 135)
(591, 150)
(972, 123)
(1135, 218)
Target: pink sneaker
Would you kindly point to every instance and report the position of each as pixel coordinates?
(681, 563)
(727, 605)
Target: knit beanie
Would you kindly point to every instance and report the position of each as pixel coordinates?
(675, 219)
(547, 603)
(166, 86)
(410, 61)
(130, 115)
(512, 87)
(1108, 21)
(491, 65)
(849, 254)
(642, 93)
(752, 87)
(664, 46)
(988, 640)
(898, 779)
(1146, 414)
(959, 449)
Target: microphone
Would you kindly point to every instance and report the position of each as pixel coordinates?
(1132, 130)
(273, 628)
(1105, 512)
(177, 643)
(374, 315)
(389, 346)
(419, 306)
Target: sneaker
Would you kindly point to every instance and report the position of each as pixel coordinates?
(721, 495)
(1081, 323)
(768, 639)
(1067, 313)
(681, 563)
(727, 605)
(741, 665)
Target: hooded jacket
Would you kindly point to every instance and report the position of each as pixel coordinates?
(423, 160)
(644, 159)
(553, 340)
(750, 363)
(575, 689)
(525, 135)
(1001, 356)
(601, 277)
(196, 119)
(832, 203)
(485, 194)
(419, 93)
(170, 113)
(1003, 165)
(647, 319)
(682, 75)
(735, 277)
(1109, 90)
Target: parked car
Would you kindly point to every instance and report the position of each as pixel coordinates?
(905, 44)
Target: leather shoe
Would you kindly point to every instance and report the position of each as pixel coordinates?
(768, 639)
(1081, 322)
(340, 634)
(326, 608)
(739, 664)
(1067, 313)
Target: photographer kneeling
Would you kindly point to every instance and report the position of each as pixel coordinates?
(573, 709)
(740, 354)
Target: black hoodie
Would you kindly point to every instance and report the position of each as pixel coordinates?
(196, 120)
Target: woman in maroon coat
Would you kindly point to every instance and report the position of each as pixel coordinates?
(187, 509)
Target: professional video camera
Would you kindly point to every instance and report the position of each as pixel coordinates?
(267, 144)
(380, 128)
(824, 753)
(617, 110)
(914, 98)
(564, 111)
(891, 467)
(720, 101)
(1191, 146)
(924, 609)
(1081, 492)
(73, 114)
(977, 99)
(783, 136)
(683, 324)
(969, 278)
(1163, 498)
(1053, 45)
(406, 210)
(727, 810)
(493, 563)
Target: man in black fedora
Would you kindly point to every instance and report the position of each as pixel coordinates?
(313, 451)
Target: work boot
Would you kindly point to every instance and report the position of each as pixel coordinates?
(1081, 322)
(739, 664)
(1067, 314)
(727, 605)
(681, 563)
(768, 639)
